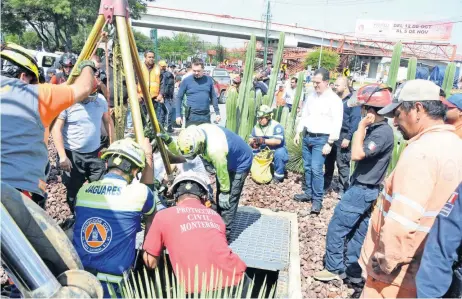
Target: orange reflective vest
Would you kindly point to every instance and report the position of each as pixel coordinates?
(428, 171)
(152, 79)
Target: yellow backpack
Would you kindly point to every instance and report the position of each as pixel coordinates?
(261, 166)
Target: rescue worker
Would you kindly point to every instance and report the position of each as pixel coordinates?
(26, 110)
(269, 133)
(151, 73)
(441, 260)
(194, 237)
(341, 149)
(77, 138)
(230, 156)
(200, 93)
(108, 213)
(454, 113)
(67, 62)
(428, 171)
(371, 150)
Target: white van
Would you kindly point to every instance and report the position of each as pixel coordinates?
(45, 60)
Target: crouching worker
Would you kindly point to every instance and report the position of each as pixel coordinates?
(269, 133)
(108, 213)
(229, 155)
(195, 236)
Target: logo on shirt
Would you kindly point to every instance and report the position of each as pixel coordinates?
(96, 235)
(278, 130)
(372, 146)
(446, 210)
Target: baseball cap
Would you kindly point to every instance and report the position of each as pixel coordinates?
(454, 101)
(418, 90)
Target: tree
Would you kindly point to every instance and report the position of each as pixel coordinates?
(28, 39)
(143, 43)
(221, 52)
(329, 59)
(180, 46)
(55, 21)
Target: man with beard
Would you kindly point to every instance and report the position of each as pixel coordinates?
(454, 113)
(199, 91)
(341, 149)
(428, 171)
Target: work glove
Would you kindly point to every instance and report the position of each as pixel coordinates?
(82, 65)
(223, 201)
(259, 141)
(165, 137)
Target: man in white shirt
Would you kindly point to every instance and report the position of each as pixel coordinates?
(289, 93)
(320, 125)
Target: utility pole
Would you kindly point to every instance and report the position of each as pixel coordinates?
(154, 39)
(267, 21)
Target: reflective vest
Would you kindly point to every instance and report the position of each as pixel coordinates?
(152, 79)
(428, 171)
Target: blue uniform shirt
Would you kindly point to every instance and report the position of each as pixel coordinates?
(441, 250)
(351, 119)
(108, 217)
(199, 92)
(272, 130)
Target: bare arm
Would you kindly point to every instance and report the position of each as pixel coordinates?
(109, 126)
(57, 134)
(150, 261)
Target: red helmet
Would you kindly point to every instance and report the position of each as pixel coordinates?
(374, 95)
(237, 80)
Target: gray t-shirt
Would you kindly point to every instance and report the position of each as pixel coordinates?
(82, 125)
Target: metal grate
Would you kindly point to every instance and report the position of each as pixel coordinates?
(261, 241)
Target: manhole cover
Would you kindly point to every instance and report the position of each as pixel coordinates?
(261, 241)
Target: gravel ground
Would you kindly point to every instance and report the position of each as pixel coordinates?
(277, 197)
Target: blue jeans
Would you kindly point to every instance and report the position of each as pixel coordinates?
(313, 162)
(350, 221)
(281, 157)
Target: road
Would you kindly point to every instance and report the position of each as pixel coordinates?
(222, 114)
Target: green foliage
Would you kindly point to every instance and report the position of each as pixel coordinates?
(29, 39)
(143, 42)
(247, 79)
(448, 80)
(180, 46)
(258, 99)
(411, 69)
(231, 110)
(221, 52)
(284, 117)
(275, 72)
(329, 59)
(55, 22)
(295, 163)
(161, 284)
(290, 125)
(394, 67)
(398, 147)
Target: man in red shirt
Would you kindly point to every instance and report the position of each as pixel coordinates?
(194, 236)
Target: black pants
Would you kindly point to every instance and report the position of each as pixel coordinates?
(237, 181)
(194, 118)
(84, 167)
(342, 157)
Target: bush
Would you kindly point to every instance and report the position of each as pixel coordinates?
(329, 59)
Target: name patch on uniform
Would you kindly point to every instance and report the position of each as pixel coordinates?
(372, 146)
(95, 235)
(449, 205)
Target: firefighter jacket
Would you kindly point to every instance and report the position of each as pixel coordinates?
(428, 171)
(152, 78)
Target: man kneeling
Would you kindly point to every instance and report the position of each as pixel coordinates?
(194, 236)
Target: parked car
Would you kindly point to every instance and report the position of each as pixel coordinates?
(220, 89)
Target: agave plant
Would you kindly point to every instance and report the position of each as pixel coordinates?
(164, 285)
(295, 163)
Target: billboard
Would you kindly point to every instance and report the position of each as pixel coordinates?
(403, 30)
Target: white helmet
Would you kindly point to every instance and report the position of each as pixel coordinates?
(190, 182)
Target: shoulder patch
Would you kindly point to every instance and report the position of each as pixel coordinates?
(371, 146)
(449, 205)
(278, 129)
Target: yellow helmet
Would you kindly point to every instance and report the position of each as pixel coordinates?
(126, 148)
(162, 63)
(190, 142)
(20, 57)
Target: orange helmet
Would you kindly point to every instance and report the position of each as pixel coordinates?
(374, 95)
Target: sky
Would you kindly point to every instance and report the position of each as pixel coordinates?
(331, 15)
